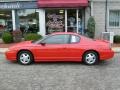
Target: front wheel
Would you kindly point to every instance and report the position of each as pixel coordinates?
(25, 57)
(90, 58)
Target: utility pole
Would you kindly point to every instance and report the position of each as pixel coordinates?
(106, 9)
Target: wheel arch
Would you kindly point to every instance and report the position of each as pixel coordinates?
(93, 51)
(24, 50)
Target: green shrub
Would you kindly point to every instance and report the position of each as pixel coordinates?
(32, 36)
(91, 27)
(7, 37)
(117, 39)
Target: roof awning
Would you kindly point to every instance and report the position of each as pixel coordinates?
(62, 3)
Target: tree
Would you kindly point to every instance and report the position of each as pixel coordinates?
(91, 27)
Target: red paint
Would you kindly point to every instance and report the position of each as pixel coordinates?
(62, 3)
(62, 52)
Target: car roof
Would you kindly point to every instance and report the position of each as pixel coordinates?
(55, 33)
(72, 33)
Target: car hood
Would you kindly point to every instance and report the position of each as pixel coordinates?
(21, 44)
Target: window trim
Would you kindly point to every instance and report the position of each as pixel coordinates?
(55, 35)
(108, 25)
(74, 42)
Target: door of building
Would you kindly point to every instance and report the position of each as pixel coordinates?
(64, 20)
(75, 20)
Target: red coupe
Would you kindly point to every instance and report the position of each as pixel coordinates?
(61, 47)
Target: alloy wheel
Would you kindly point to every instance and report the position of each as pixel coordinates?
(90, 58)
(25, 57)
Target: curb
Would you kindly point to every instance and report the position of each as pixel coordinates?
(115, 49)
(3, 50)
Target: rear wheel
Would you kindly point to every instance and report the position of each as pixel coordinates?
(90, 58)
(25, 57)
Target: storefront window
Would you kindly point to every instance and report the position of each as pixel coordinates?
(80, 21)
(55, 20)
(28, 20)
(71, 20)
(5, 20)
(74, 17)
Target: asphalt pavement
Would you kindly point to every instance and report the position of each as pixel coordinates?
(60, 76)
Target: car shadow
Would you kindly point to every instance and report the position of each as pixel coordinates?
(58, 63)
(101, 63)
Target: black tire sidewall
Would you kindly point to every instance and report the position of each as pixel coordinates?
(97, 57)
(30, 54)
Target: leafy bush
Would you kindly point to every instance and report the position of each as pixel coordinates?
(117, 39)
(91, 27)
(32, 36)
(7, 37)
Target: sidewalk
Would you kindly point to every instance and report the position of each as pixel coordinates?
(116, 49)
(4, 47)
(3, 50)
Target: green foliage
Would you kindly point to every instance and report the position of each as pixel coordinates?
(7, 37)
(32, 36)
(117, 39)
(91, 27)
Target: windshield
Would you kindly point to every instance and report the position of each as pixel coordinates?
(38, 41)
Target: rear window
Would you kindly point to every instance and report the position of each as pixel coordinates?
(75, 39)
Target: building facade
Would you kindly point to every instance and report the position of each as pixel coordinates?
(19, 14)
(46, 17)
(111, 20)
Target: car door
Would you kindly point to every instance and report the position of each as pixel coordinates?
(74, 49)
(54, 47)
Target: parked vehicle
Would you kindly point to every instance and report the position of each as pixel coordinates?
(62, 46)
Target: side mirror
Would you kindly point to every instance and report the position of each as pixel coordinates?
(42, 43)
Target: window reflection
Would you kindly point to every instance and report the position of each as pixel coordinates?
(55, 20)
(5, 21)
(28, 20)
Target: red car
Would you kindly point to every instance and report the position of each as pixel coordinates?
(62, 46)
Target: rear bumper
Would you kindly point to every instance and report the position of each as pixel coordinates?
(10, 55)
(106, 54)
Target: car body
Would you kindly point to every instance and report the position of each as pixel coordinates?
(62, 46)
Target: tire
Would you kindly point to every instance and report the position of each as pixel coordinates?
(25, 58)
(90, 58)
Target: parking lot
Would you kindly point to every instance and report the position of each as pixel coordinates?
(60, 76)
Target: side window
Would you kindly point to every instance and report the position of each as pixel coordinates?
(57, 39)
(75, 39)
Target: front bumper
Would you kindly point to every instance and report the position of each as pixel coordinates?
(11, 55)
